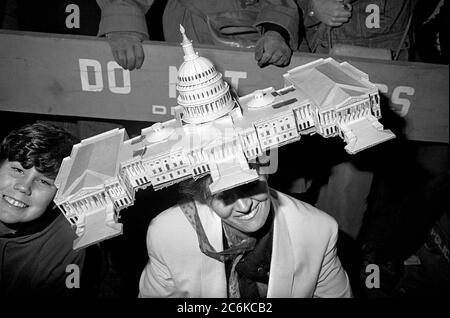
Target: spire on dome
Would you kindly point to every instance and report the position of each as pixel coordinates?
(189, 53)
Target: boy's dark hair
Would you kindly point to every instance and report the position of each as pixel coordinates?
(40, 145)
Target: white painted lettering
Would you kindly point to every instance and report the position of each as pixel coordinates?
(173, 74)
(97, 86)
(382, 88)
(126, 88)
(159, 109)
(235, 76)
(403, 102)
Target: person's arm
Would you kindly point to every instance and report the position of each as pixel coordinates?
(124, 25)
(278, 23)
(333, 280)
(123, 15)
(156, 280)
(333, 13)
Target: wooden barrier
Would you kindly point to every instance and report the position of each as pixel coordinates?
(76, 76)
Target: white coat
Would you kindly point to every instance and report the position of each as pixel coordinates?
(304, 262)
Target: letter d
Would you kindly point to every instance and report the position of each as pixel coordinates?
(97, 86)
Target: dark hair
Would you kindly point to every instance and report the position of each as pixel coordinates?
(40, 145)
(199, 189)
(195, 189)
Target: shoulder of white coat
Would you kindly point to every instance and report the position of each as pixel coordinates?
(170, 215)
(167, 225)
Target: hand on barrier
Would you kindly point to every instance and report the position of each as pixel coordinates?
(331, 12)
(127, 49)
(271, 48)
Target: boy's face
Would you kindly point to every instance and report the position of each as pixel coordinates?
(246, 207)
(24, 193)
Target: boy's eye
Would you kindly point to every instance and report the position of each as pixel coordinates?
(16, 170)
(45, 182)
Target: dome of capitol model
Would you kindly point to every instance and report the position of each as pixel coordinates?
(196, 71)
(202, 93)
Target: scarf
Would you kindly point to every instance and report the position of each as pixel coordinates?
(239, 244)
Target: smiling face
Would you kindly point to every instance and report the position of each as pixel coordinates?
(24, 193)
(246, 207)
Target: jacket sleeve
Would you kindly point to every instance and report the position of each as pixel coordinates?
(306, 7)
(156, 280)
(284, 13)
(333, 280)
(123, 15)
